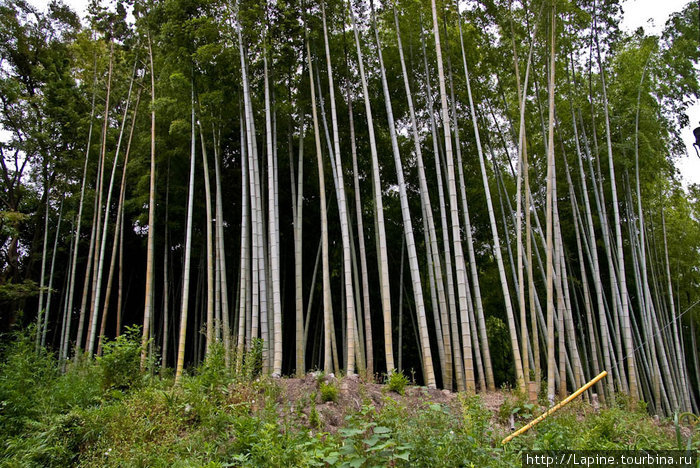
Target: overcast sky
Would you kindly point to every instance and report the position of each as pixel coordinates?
(652, 15)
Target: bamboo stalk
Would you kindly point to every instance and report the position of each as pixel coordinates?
(555, 408)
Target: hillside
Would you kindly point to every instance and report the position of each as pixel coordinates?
(107, 413)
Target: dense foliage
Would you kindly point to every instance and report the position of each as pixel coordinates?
(257, 174)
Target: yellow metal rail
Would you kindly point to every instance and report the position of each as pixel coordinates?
(553, 409)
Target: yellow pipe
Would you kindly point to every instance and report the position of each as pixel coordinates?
(550, 411)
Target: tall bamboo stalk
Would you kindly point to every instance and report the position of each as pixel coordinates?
(99, 187)
(76, 240)
(446, 244)
(424, 342)
(343, 213)
(549, 217)
(378, 208)
(118, 227)
(625, 314)
(45, 326)
(184, 305)
(40, 311)
(452, 194)
(472, 256)
(273, 233)
(221, 251)
(150, 266)
(244, 291)
(327, 331)
(210, 331)
(435, 268)
(496, 239)
(97, 293)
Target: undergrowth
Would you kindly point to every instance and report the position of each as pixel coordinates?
(106, 412)
(396, 381)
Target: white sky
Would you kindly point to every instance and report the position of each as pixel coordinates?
(652, 15)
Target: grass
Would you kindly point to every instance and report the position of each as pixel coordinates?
(93, 415)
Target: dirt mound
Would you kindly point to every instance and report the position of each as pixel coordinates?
(302, 395)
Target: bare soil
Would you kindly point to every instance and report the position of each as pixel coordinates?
(295, 394)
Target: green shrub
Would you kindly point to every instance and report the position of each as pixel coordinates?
(314, 417)
(78, 387)
(120, 363)
(25, 380)
(435, 436)
(252, 360)
(320, 377)
(515, 404)
(40, 420)
(367, 443)
(396, 382)
(629, 404)
(51, 442)
(555, 434)
(476, 418)
(213, 372)
(329, 391)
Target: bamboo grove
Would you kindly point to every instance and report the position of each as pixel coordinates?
(482, 193)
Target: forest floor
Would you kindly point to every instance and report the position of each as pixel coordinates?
(105, 412)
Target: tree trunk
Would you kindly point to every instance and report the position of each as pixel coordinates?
(549, 217)
(148, 306)
(97, 293)
(424, 342)
(184, 307)
(626, 328)
(378, 209)
(40, 311)
(211, 326)
(455, 224)
(343, 213)
(221, 264)
(496, 241)
(327, 330)
(74, 261)
(273, 235)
